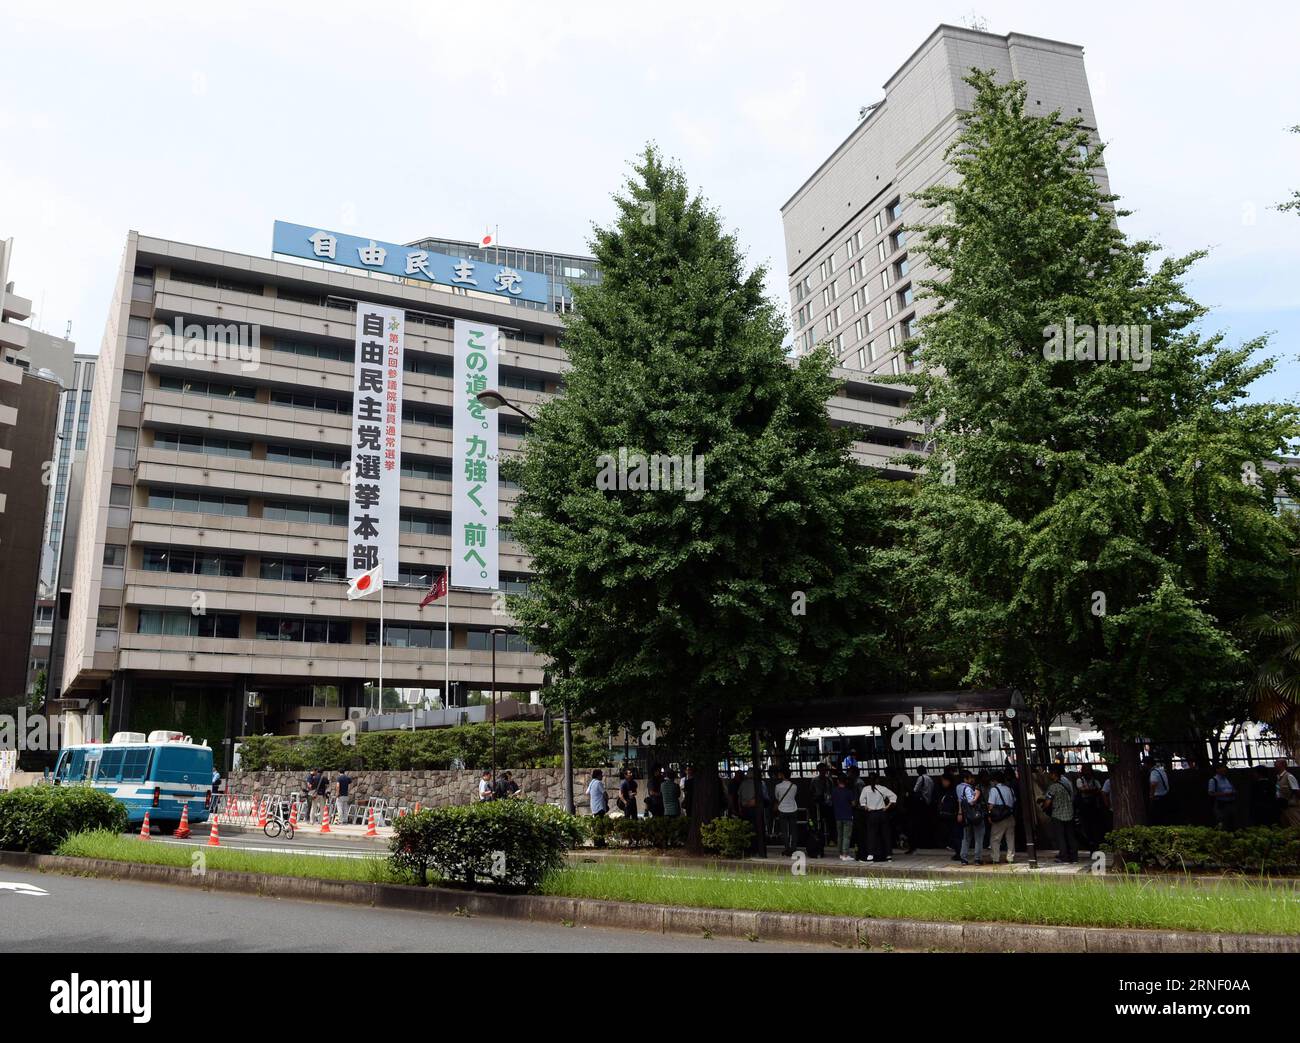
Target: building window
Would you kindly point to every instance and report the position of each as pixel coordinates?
(304, 628)
(889, 308)
(481, 641)
(881, 251)
(306, 457)
(305, 512)
(897, 240)
(901, 266)
(192, 562)
(879, 223)
(905, 296)
(894, 211)
(180, 623)
(303, 570)
(124, 447)
(208, 445)
(407, 636)
(215, 388)
(199, 503)
(142, 285)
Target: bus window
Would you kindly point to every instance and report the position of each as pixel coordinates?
(135, 765)
(110, 766)
(71, 767)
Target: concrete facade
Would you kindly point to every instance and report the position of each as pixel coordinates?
(854, 282)
(167, 432)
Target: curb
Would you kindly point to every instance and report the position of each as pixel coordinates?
(839, 931)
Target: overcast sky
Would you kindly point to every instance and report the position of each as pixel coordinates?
(206, 122)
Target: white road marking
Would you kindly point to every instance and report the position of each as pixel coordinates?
(24, 889)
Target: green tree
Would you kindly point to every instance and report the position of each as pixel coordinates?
(1089, 531)
(1275, 688)
(660, 606)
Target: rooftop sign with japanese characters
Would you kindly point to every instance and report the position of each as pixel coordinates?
(408, 262)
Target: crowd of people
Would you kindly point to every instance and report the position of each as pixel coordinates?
(975, 814)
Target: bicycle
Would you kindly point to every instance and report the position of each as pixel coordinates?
(277, 823)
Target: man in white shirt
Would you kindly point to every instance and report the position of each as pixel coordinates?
(876, 800)
(1002, 819)
(787, 809)
(485, 786)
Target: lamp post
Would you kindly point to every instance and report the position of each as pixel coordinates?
(493, 399)
(494, 632)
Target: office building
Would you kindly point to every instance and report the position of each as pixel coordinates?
(853, 275)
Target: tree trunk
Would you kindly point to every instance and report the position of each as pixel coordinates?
(706, 800)
(1126, 798)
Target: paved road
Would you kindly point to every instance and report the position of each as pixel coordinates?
(84, 914)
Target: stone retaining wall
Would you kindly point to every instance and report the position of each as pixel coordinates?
(428, 788)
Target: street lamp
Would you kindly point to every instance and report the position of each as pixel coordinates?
(494, 632)
(493, 399)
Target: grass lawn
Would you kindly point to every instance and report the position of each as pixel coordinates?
(122, 848)
(1236, 907)
(1243, 908)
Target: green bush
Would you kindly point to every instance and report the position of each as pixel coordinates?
(508, 844)
(729, 837)
(1260, 849)
(39, 818)
(656, 832)
(520, 744)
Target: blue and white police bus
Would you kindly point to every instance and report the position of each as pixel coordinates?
(159, 774)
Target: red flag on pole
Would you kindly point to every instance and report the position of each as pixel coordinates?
(438, 590)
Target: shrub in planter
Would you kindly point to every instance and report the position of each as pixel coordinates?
(729, 837)
(39, 818)
(1266, 849)
(656, 832)
(509, 844)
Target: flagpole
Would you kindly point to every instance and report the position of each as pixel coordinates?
(446, 641)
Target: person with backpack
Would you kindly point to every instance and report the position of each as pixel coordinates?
(842, 809)
(920, 826)
(970, 813)
(1058, 802)
(1002, 819)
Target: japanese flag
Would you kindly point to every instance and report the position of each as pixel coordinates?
(366, 583)
(486, 240)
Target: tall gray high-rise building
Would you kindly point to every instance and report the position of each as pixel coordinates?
(853, 273)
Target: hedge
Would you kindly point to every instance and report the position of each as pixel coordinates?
(509, 844)
(656, 831)
(729, 837)
(520, 744)
(39, 818)
(1260, 849)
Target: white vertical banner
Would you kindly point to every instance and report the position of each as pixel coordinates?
(374, 506)
(474, 519)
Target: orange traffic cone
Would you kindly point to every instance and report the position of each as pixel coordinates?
(144, 827)
(183, 830)
(213, 839)
(293, 816)
(417, 807)
(325, 819)
(261, 817)
(370, 828)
